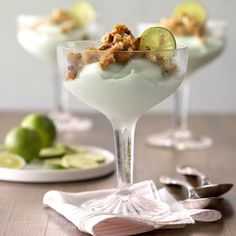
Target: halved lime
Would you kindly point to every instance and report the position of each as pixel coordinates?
(54, 163)
(192, 8)
(52, 152)
(11, 161)
(83, 11)
(158, 39)
(78, 161)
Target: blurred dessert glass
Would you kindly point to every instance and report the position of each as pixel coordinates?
(206, 40)
(39, 35)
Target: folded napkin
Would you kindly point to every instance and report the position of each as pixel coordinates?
(95, 223)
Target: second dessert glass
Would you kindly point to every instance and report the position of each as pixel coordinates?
(122, 92)
(39, 35)
(180, 137)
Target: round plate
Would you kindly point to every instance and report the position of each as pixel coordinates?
(35, 173)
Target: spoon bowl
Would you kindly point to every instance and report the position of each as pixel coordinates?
(213, 190)
(194, 201)
(206, 188)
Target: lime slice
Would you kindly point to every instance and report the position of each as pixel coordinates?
(84, 12)
(158, 39)
(78, 161)
(192, 8)
(70, 149)
(11, 161)
(52, 152)
(54, 163)
(94, 157)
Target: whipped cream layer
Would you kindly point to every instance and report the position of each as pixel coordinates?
(200, 53)
(123, 92)
(42, 40)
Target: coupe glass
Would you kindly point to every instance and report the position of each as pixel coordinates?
(43, 46)
(180, 137)
(123, 92)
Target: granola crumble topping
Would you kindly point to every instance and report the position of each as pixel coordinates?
(184, 26)
(61, 18)
(119, 46)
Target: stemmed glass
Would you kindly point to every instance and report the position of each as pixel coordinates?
(180, 137)
(123, 92)
(43, 46)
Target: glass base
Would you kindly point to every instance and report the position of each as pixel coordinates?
(129, 205)
(181, 140)
(66, 122)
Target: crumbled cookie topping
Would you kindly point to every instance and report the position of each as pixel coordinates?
(62, 18)
(118, 46)
(184, 26)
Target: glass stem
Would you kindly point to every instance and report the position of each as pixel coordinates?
(181, 100)
(124, 148)
(61, 96)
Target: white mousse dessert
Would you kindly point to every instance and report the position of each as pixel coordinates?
(121, 91)
(200, 53)
(120, 87)
(40, 35)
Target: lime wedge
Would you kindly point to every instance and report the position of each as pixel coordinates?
(11, 161)
(158, 39)
(54, 163)
(192, 8)
(78, 161)
(83, 11)
(52, 152)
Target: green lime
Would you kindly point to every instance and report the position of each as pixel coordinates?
(43, 125)
(78, 161)
(192, 8)
(24, 142)
(54, 163)
(84, 12)
(158, 39)
(11, 161)
(52, 152)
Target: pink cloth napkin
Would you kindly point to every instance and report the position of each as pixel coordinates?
(100, 224)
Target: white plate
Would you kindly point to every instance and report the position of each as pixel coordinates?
(34, 173)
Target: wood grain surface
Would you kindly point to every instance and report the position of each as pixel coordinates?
(21, 209)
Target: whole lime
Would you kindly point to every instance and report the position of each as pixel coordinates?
(24, 142)
(43, 125)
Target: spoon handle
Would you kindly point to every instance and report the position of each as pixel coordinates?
(172, 181)
(188, 170)
(204, 180)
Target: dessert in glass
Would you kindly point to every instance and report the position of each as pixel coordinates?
(123, 77)
(39, 35)
(205, 40)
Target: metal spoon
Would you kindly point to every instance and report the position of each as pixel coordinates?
(206, 188)
(193, 201)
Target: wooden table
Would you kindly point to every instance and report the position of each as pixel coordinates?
(21, 208)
